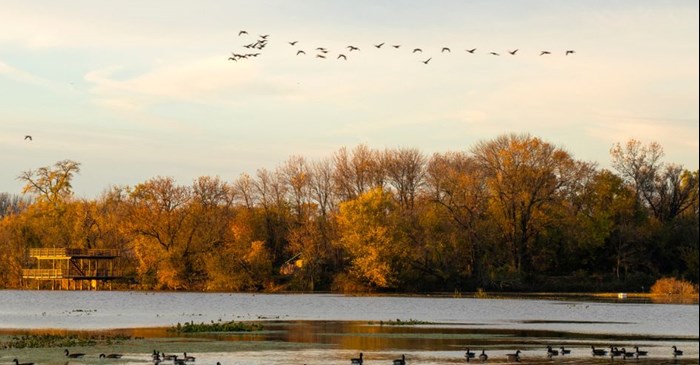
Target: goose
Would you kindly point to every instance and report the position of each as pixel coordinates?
(598, 352)
(469, 354)
(352, 48)
(676, 352)
(357, 360)
(401, 361)
(188, 358)
(242, 32)
(73, 356)
(564, 351)
(417, 50)
(292, 43)
(640, 353)
(545, 52)
(342, 56)
(167, 357)
(483, 357)
(28, 137)
(22, 363)
(264, 36)
(626, 354)
(111, 356)
(514, 356)
(300, 52)
(179, 362)
(320, 56)
(569, 51)
(551, 352)
(470, 50)
(428, 60)
(614, 352)
(513, 52)
(396, 45)
(379, 45)
(446, 49)
(494, 53)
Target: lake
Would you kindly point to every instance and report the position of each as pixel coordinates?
(328, 328)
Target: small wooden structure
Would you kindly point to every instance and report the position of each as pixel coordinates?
(72, 268)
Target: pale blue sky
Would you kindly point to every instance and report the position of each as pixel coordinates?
(138, 89)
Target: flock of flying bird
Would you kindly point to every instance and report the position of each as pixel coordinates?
(323, 52)
(159, 357)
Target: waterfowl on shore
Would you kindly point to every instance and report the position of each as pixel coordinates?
(483, 357)
(564, 351)
(22, 363)
(357, 360)
(640, 353)
(73, 356)
(551, 352)
(514, 356)
(188, 358)
(401, 361)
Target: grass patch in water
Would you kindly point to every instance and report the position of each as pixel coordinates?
(399, 322)
(231, 326)
(50, 340)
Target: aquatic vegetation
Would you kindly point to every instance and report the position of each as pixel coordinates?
(399, 322)
(51, 340)
(230, 326)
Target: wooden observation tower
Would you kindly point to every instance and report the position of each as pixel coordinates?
(72, 268)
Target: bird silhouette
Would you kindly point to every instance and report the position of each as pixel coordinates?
(111, 356)
(570, 51)
(401, 361)
(264, 36)
(551, 352)
(28, 137)
(242, 32)
(428, 60)
(293, 42)
(357, 360)
(73, 356)
(483, 357)
(471, 50)
(469, 354)
(514, 356)
(379, 45)
(320, 56)
(396, 45)
(445, 49)
(513, 52)
(342, 56)
(676, 352)
(640, 353)
(188, 358)
(494, 53)
(300, 52)
(545, 52)
(564, 351)
(417, 50)
(598, 352)
(352, 48)
(22, 363)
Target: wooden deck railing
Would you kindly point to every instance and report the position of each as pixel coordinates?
(42, 273)
(65, 274)
(70, 252)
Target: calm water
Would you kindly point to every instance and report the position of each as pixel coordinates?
(320, 329)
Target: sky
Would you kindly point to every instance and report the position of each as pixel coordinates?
(134, 90)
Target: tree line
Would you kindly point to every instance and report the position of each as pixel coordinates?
(512, 213)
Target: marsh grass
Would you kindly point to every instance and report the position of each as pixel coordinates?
(230, 326)
(53, 340)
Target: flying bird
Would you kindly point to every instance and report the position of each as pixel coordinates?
(379, 45)
(342, 56)
(417, 50)
(396, 45)
(570, 51)
(545, 52)
(28, 137)
(445, 49)
(352, 48)
(300, 52)
(320, 56)
(428, 60)
(470, 50)
(264, 36)
(230, 59)
(242, 32)
(494, 53)
(293, 43)
(513, 52)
